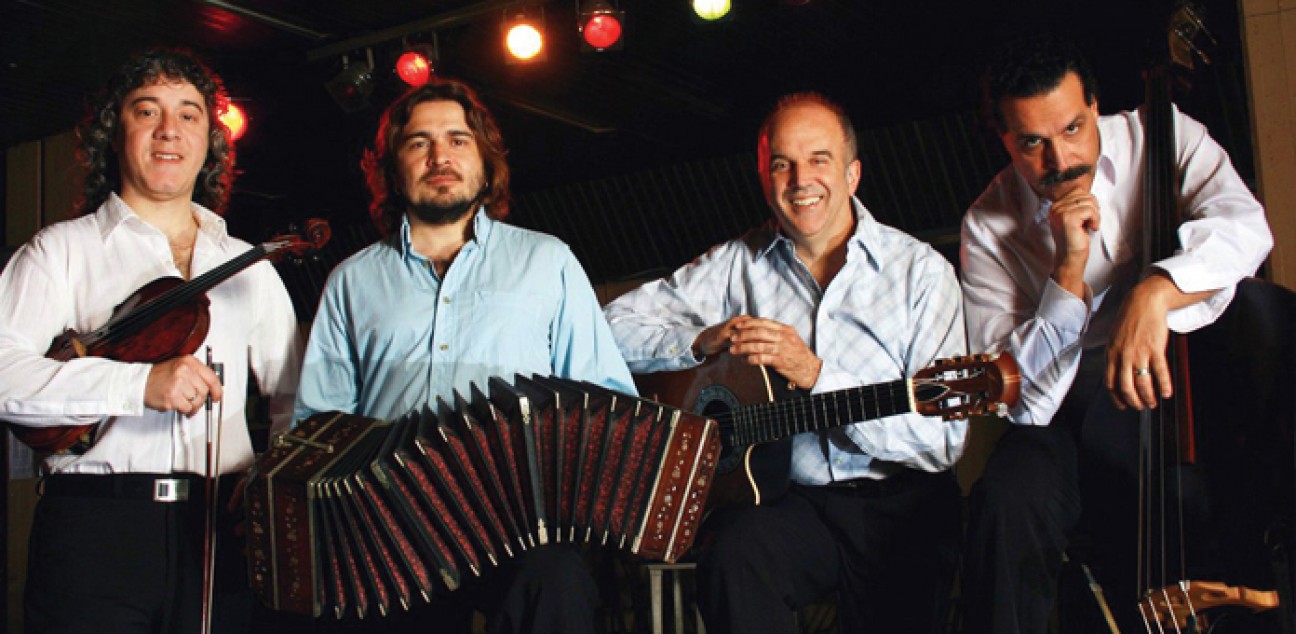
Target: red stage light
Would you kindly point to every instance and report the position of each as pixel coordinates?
(233, 118)
(413, 68)
(602, 30)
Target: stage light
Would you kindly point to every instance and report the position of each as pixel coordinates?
(413, 68)
(524, 38)
(416, 65)
(234, 119)
(600, 25)
(352, 86)
(711, 9)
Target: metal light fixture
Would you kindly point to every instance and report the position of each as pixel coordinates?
(600, 25)
(417, 62)
(351, 87)
(524, 36)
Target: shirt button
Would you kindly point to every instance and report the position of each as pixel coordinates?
(445, 300)
(445, 347)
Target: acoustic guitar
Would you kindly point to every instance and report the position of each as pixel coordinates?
(759, 411)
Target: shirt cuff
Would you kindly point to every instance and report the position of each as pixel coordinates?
(676, 349)
(1068, 313)
(1183, 271)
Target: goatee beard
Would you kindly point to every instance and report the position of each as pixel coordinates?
(441, 213)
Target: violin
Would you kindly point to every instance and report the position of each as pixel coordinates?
(164, 319)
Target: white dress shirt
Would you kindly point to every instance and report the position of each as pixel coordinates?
(1013, 304)
(892, 310)
(71, 275)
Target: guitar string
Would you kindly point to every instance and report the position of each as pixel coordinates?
(780, 418)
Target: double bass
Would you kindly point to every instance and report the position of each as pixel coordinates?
(1172, 598)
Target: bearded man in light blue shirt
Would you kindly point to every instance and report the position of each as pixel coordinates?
(830, 299)
(451, 297)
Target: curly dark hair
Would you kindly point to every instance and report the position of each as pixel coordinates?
(1028, 67)
(101, 127)
(387, 204)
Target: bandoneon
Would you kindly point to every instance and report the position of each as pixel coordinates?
(348, 514)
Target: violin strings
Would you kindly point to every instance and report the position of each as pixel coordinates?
(168, 301)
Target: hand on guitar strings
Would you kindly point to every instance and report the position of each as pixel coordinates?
(181, 384)
(763, 342)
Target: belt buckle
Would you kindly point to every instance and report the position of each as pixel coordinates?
(170, 490)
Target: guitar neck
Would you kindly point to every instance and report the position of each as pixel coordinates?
(765, 422)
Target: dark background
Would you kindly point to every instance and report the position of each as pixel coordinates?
(639, 158)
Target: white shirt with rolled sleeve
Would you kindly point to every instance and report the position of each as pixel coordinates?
(1013, 304)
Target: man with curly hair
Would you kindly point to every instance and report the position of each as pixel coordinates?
(117, 540)
(451, 297)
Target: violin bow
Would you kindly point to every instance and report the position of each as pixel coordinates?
(212, 484)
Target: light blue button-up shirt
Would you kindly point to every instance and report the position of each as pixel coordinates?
(390, 336)
(892, 310)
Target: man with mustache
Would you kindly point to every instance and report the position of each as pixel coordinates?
(1052, 271)
(451, 297)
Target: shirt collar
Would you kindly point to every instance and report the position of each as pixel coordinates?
(866, 237)
(116, 213)
(482, 225)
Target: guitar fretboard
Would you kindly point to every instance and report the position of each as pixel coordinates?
(764, 422)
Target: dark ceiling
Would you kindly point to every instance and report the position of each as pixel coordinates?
(663, 127)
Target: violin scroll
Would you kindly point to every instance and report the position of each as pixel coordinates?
(316, 235)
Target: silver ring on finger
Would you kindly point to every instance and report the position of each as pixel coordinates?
(1142, 371)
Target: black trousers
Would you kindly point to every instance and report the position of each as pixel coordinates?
(112, 564)
(889, 551)
(1044, 486)
(547, 590)
(1028, 502)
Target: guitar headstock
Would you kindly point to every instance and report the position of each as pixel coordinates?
(965, 386)
(313, 238)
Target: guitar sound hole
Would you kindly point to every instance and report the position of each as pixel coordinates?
(717, 402)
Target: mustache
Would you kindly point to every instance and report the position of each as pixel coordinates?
(1055, 177)
(445, 171)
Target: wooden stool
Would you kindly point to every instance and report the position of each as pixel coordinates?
(655, 574)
